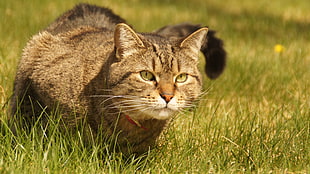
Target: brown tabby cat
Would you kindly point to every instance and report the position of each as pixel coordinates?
(98, 69)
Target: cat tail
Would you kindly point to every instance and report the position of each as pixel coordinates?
(212, 49)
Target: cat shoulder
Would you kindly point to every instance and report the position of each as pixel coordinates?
(85, 15)
(44, 40)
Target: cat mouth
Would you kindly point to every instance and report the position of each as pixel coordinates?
(160, 109)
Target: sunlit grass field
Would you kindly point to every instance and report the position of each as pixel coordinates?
(254, 118)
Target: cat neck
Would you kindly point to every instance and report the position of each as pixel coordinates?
(128, 124)
(134, 122)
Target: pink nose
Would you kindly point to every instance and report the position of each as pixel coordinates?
(166, 97)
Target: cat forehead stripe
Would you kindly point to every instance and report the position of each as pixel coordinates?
(164, 54)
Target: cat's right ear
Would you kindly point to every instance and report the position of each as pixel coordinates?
(127, 42)
(195, 41)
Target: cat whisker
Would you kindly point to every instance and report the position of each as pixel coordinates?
(124, 101)
(109, 98)
(203, 99)
(110, 95)
(189, 105)
(101, 96)
(117, 105)
(126, 106)
(108, 90)
(135, 109)
(182, 111)
(120, 96)
(204, 93)
(141, 108)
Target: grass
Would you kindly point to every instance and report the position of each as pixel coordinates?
(256, 117)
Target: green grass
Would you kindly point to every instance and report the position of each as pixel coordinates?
(255, 118)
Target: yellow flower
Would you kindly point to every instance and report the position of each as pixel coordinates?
(278, 48)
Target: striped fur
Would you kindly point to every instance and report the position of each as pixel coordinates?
(104, 73)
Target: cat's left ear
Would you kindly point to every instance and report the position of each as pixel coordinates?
(127, 42)
(195, 41)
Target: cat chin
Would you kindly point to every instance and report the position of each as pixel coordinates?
(160, 114)
(164, 114)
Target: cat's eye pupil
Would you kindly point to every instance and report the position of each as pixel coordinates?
(181, 78)
(147, 75)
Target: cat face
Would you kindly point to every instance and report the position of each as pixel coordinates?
(153, 77)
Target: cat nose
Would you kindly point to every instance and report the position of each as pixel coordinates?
(166, 97)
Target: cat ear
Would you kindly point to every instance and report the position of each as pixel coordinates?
(127, 42)
(195, 41)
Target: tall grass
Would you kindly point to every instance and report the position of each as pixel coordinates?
(254, 118)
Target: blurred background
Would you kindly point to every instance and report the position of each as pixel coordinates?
(255, 116)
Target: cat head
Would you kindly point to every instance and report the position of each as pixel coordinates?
(153, 77)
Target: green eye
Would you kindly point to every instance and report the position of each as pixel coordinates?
(181, 78)
(147, 75)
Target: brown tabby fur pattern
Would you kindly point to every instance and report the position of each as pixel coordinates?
(94, 67)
